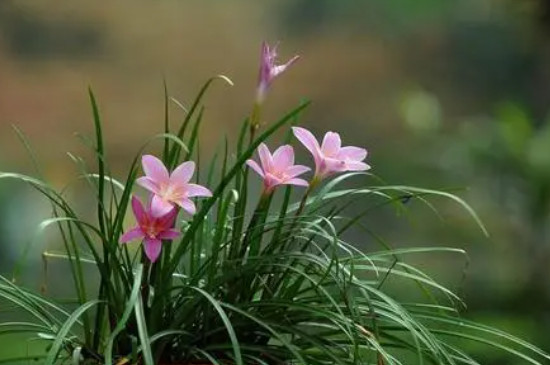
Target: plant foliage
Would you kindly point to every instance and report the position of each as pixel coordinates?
(275, 284)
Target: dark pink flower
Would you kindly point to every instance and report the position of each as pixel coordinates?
(170, 189)
(278, 168)
(330, 157)
(269, 70)
(151, 229)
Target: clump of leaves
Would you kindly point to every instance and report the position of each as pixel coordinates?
(274, 284)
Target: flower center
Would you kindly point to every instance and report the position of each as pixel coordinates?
(280, 175)
(328, 154)
(151, 229)
(168, 192)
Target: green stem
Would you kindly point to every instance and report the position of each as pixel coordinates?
(275, 280)
(314, 182)
(253, 235)
(253, 238)
(145, 281)
(255, 120)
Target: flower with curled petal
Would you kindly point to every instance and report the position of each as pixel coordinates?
(269, 70)
(170, 189)
(330, 157)
(279, 168)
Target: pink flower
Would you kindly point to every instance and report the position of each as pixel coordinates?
(269, 70)
(331, 157)
(170, 189)
(152, 229)
(278, 168)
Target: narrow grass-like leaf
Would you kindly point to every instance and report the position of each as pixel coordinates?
(142, 332)
(227, 322)
(61, 335)
(130, 305)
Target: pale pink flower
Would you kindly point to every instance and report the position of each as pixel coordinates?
(269, 70)
(170, 189)
(151, 229)
(331, 157)
(279, 168)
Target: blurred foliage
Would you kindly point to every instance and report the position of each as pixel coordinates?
(513, 150)
(28, 35)
(382, 16)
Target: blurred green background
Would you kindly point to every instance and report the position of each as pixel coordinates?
(449, 94)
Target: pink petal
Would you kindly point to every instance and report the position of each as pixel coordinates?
(352, 153)
(331, 144)
(197, 190)
(296, 170)
(265, 50)
(272, 53)
(265, 157)
(154, 169)
(254, 165)
(152, 248)
(139, 212)
(292, 61)
(169, 234)
(265, 64)
(307, 139)
(187, 205)
(183, 173)
(357, 166)
(271, 181)
(159, 206)
(298, 182)
(334, 165)
(148, 184)
(283, 157)
(277, 70)
(167, 220)
(133, 234)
